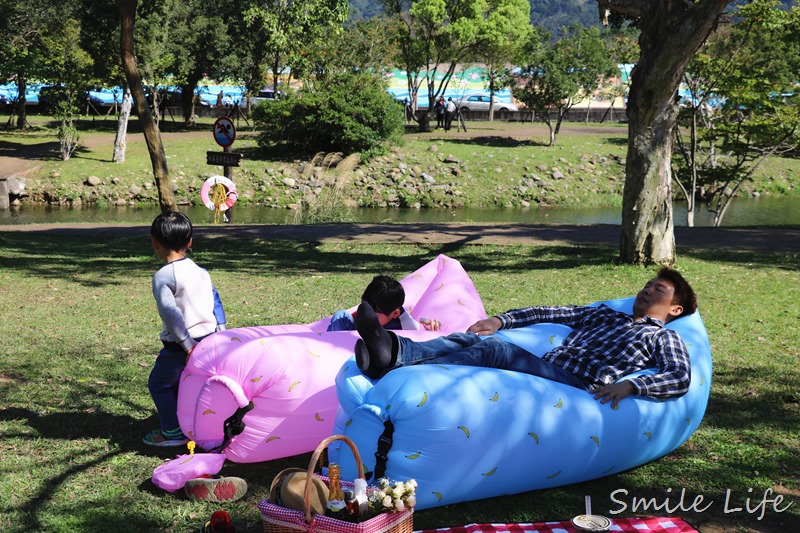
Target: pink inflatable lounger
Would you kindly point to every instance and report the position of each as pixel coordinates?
(278, 382)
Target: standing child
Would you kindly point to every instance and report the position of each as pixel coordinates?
(190, 310)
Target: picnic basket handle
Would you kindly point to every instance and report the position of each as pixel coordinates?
(313, 463)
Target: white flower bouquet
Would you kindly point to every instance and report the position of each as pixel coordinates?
(391, 497)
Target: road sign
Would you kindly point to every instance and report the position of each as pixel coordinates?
(225, 159)
(224, 131)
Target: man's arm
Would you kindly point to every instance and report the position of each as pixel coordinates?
(571, 316)
(517, 318)
(673, 370)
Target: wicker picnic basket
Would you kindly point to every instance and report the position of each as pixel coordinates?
(279, 519)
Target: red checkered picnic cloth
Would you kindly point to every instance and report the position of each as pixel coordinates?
(668, 524)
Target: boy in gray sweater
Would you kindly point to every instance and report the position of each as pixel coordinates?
(190, 309)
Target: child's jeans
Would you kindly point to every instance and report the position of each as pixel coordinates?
(163, 383)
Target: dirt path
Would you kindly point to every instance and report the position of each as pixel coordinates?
(17, 159)
(762, 239)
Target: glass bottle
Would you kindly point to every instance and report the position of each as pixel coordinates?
(336, 505)
(360, 495)
(351, 505)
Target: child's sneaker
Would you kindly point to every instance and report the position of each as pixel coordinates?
(162, 439)
(220, 523)
(215, 489)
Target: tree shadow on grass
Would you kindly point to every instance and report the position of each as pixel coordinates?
(494, 141)
(99, 261)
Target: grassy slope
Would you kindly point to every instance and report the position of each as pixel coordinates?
(494, 166)
(80, 332)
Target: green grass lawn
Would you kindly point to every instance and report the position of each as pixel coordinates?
(80, 333)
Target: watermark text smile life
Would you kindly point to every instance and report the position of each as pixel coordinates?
(768, 501)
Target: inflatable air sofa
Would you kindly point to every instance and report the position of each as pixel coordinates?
(466, 433)
(278, 381)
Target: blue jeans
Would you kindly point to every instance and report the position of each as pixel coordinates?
(164, 381)
(489, 352)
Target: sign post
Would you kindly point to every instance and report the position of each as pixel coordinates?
(224, 135)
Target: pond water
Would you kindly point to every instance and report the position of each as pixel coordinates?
(765, 211)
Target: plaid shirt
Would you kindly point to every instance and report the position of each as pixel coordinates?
(606, 345)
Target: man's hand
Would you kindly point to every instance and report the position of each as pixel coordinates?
(430, 324)
(486, 326)
(615, 391)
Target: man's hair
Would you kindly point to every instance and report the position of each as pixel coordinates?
(384, 294)
(172, 230)
(684, 294)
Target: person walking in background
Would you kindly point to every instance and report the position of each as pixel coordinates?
(439, 110)
(190, 309)
(449, 113)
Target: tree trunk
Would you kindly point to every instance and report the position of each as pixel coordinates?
(121, 140)
(22, 117)
(671, 32)
(189, 101)
(152, 135)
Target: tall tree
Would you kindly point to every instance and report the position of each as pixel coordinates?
(363, 46)
(69, 66)
(500, 41)
(152, 135)
(292, 26)
(742, 107)
(24, 25)
(670, 33)
(563, 73)
(201, 44)
(433, 35)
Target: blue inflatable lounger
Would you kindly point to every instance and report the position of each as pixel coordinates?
(467, 433)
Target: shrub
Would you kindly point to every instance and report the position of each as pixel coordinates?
(344, 112)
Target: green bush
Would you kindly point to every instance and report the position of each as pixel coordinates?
(345, 112)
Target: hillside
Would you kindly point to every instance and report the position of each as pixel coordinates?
(551, 15)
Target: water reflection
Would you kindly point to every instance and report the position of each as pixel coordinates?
(765, 211)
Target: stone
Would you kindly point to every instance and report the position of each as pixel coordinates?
(451, 159)
(289, 182)
(16, 186)
(134, 190)
(93, 181)
(557, 175)
(542, 168)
